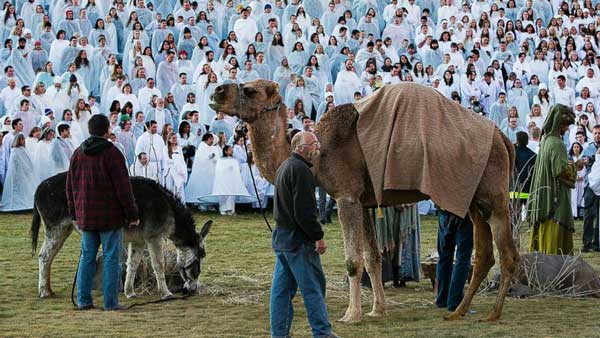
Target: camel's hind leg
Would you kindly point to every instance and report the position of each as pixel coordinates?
(351, 214)
(484, 260)
(373, 264)
(509, 256)
(54, 240)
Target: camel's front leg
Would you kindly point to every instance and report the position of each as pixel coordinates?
(373, 263)
(158, 264)
(351, 214)
(135, 253)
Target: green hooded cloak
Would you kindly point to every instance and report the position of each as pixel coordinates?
(553, 176)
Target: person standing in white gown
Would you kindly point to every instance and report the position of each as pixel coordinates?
(175, 169)
(153, 145)
(20, 182)
(203, 170)
(142, 168)
(41, 158)
(61, 149)
(228, 185)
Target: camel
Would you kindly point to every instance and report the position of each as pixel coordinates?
(342, 171)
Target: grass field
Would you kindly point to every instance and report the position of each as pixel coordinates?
(237, 275)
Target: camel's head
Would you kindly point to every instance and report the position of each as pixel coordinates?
(248, 101)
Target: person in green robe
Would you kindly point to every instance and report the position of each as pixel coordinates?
(550, 195)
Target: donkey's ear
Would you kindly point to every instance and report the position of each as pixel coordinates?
(205, 229)
(272, 88)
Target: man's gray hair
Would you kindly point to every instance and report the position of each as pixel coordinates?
(298, 140)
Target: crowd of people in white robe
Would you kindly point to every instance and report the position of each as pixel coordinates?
(139, 61)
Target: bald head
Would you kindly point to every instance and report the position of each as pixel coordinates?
(306, 144)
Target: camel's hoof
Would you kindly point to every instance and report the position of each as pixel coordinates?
(377, 313)
(350, 318)
(492, 318)
(453, 316)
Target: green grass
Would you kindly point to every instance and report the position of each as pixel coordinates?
(237, 272)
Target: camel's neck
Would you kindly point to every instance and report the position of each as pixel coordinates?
(269, 143)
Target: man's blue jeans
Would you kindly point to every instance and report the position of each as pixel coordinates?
(111, 250)
(453, 231)
(298, 269)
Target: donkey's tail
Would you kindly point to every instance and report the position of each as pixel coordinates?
(35, 229)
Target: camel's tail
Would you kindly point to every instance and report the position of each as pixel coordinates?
(511, 152)
(35, 229)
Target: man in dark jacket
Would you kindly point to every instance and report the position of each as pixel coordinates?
(101, 201)
(524, 162)
(298, 242)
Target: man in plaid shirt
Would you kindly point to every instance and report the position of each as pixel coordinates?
(101, 201)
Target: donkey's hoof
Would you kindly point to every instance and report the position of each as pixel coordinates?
(167, 296)
(377, 313)
(46, 294)
(351, 317)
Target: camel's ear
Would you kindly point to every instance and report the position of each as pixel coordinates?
(272, 88)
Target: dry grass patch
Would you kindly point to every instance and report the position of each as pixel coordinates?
(234, 302)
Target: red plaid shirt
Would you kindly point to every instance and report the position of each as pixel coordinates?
(99, 193)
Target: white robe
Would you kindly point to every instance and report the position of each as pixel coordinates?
(153, 145)
(20, 182)
(203, 173)
(346, 84)
(149, 171)
(42, 161)
(175, 174)
(228, 185)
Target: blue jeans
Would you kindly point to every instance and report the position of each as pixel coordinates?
(453, 232)
(112, 242)
(302, 269)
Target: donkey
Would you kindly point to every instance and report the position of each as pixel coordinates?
(161, 215)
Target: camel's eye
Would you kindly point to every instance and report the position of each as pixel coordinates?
(249, 92)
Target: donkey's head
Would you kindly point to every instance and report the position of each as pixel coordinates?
(190, 256)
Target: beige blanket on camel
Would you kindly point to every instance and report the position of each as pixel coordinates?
(414, 138)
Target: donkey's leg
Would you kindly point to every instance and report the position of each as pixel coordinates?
(509, 257)
(135, 252)
(484, 260)
(373, 264)
(350, 214)
(53, 242)
(158, 264)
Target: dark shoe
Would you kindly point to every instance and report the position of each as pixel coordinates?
(86, 307)
(118, 308)
(399, 284)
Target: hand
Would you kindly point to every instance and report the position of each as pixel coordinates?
(321, 247)
(134, 223)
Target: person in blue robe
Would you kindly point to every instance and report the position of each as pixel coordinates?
(39, 57)
(68, 56)
(68, 24)
(20, 182)
(21, 62)
(298, 58)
